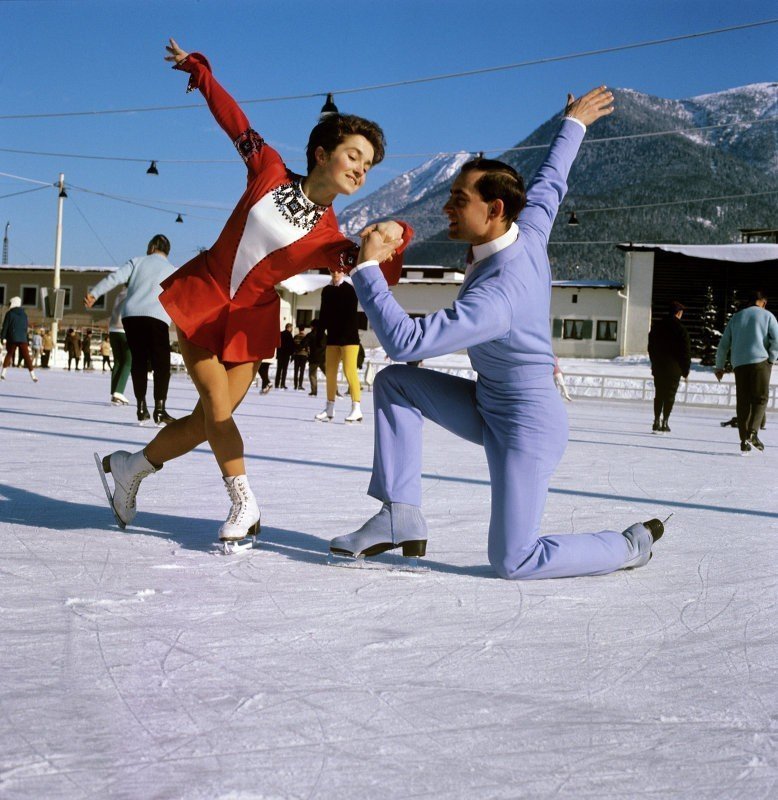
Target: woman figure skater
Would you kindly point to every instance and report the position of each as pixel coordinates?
(224, 303)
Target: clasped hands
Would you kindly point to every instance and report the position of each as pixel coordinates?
(380, 241)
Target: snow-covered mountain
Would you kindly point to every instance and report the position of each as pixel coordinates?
(404, 190)
(739, 159)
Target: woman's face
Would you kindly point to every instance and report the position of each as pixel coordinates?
(346, 167)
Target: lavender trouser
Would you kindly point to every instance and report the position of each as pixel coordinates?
(523, 429)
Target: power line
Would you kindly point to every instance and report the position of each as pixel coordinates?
(414, 81)
(24, 191)
(520, 148)
(96, 235)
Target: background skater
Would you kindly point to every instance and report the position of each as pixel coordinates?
(513, 409)
(750, 341)
(671, 357)
(146, 323)
(338, 318)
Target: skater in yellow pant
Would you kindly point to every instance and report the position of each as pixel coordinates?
(338, 316)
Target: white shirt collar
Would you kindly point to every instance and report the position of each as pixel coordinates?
(482, 251)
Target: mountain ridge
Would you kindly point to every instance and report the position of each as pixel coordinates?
(613, 170)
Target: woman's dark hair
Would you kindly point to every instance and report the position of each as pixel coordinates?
(500, 182)
(159, 243)
(334, 128)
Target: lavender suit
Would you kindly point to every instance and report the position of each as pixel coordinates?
(514, 410)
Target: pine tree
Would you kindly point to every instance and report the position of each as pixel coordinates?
(710, 334)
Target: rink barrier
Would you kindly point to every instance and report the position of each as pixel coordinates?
(612, 387)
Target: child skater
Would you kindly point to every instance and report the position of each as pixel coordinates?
(223, 302)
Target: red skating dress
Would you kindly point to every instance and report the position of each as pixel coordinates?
(224, 299)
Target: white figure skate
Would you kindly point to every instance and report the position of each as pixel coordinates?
(128, 470)
(242, 522)
(355, 415)
(327, 414)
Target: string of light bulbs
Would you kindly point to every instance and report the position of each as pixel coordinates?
(153, 170)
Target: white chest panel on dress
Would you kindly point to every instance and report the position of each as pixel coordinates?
(277, 220)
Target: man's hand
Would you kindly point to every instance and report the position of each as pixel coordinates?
(591, 106)
(390, 230)
(89, 300)
(375, 247)
(176, 53)
(719, 373)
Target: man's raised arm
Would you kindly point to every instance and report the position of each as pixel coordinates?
(549, 185)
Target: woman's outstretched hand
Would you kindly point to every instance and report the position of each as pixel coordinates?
(590, 107)
(175, 52)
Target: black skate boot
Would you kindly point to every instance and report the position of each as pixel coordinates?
(745, 448)
(656, 427)
(161, 417)
(665, 427)
(143, 411)
(755, 441)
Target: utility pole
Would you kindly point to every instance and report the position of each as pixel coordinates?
(5, 243)
(57, 260)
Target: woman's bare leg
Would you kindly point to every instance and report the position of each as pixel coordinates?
(221, 389)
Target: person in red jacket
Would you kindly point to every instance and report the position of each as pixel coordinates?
(224, 303)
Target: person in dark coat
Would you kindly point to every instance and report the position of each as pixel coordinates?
(14, 334)
(300, 358)
(283, 354)
(339, 317)
(316, 342)
(670, 352)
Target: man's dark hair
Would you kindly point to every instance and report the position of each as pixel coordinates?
(500, 182)
(757, 295)
(334, 128)
(159, 243)
(675, 307)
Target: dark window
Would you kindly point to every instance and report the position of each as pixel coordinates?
(575, 298)
(30, 296)
(606, 330)
(575, 329)
(68, 296)
(2, 295)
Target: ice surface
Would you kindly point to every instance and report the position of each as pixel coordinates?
(137, 665)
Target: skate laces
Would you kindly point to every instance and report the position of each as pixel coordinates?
(132, 489)
(239, 497)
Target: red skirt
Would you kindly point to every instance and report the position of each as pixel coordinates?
(204, 313)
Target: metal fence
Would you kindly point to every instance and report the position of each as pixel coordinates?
(614, 387)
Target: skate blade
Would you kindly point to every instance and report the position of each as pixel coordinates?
(390, 562)
(233, 548)
(107, 488)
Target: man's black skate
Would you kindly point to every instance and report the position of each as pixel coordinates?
(656, 427)
(756, 442)
(745, 448)
(665, 428)
(143, 411)
(161, 417)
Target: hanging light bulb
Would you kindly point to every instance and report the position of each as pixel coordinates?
(179, 218)
(62, 192)
(329, 107)
(152, 170)
(573, 219)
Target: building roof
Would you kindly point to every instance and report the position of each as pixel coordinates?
(743, 253)
(50, 268)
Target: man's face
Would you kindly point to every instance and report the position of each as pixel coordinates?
(467, 211)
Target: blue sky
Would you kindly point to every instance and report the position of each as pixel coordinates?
(85, 55)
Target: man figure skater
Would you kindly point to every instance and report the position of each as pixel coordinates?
(513, 409)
